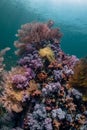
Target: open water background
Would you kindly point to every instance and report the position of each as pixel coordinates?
(69, 15)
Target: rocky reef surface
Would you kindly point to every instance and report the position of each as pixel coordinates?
(37, 93)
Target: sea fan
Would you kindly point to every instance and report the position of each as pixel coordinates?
(79, 79)
(36, 33)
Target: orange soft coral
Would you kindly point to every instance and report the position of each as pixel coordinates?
(37, 93)
(42, 76)
(55, 64)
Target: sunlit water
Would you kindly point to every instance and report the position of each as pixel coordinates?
(69, 15)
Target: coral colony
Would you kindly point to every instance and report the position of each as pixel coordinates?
(37, 94)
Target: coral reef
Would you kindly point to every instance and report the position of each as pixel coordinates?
(38, 91)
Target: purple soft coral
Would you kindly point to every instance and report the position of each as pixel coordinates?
(18, 79)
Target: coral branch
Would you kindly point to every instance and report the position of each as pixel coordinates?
(2, 52)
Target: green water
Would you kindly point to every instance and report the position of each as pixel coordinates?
(69, 15)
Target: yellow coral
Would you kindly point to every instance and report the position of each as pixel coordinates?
(48, 53)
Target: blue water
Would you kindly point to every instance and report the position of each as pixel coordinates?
(69, 15)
